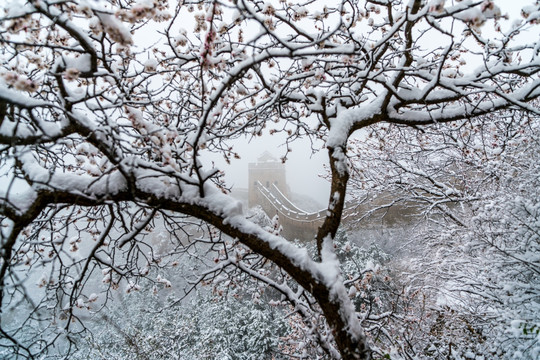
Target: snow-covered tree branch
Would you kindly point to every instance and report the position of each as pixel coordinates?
(111, 111)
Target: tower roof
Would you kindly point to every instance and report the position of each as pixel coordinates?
(266, 157)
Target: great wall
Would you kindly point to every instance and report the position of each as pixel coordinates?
(268, 189)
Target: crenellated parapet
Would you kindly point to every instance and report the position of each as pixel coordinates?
(268, 189)
(296, 222)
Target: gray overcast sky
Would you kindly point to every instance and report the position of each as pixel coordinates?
(303, 168)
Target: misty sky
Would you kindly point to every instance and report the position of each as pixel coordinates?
(302, 168)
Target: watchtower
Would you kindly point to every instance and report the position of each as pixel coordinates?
(268, 171)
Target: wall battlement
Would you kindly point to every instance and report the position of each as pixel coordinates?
(268, 189)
